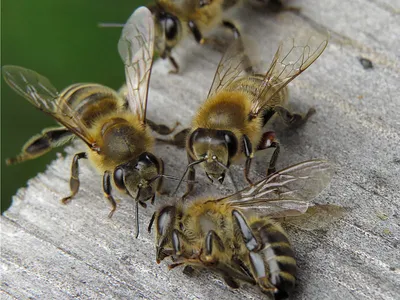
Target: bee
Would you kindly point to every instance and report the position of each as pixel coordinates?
(229, 124)
(175, 20)
(239, 236)
(114, 128)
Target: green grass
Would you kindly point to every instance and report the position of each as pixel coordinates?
(60, 40)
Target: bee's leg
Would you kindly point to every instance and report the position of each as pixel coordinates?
(268, 141)
(229, 24)
(178, 140)
(42, 143)
(196, 32)
(242, 266)
(164, 224)
(107, 192)
(153, 217)
(230, 281)
(260, 274)
(177, 238)
(278, 6)
(74, 180)
(174, 64)
(161, 128)
(248, 152)
(257, 263)
(248, 67)
(191, 178)
(293, 119)
(188, 270)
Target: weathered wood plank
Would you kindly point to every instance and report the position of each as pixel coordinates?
(61, 252)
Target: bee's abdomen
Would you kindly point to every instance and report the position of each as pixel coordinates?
(89, 101)
(278, 255)
(253, 86)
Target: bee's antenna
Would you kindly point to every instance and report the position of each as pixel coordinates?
(187, 169)
(110, 25)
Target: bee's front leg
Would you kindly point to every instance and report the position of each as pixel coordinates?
(248, 152)
(178, 140)
(198, 36)
(107, 192)
(268, 141)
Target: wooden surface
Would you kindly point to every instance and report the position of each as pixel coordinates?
(51, 251)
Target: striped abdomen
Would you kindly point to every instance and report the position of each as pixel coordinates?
(252, 86)
(278, 255)
(89, 101)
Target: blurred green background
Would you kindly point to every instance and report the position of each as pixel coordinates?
(60, 40)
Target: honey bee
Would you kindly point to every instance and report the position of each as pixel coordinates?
(175, 20)
(114, 128)
(239, 236)
(228, 125)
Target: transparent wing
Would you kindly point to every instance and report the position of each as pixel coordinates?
(290, 61)
(233, 63)
(317, 216)
(136, 47)
(288, 192)
(38, 90)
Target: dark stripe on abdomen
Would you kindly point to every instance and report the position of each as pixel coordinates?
(278, 255)
(89, 101)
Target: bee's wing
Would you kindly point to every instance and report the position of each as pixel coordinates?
(136, 47)
(233, 63)
(39, 91)
(290, 60)
(287, 192)
(317, 216)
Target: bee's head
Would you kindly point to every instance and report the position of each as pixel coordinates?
(168, 30)
(215, 148)
(138, 177)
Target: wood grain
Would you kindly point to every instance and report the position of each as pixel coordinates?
(51, 251)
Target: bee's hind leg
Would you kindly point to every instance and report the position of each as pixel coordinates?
(161, 128)
(42, 143)
(268, 141)
(293, 119)
(278, 6)
(74, 180)
(178, 140)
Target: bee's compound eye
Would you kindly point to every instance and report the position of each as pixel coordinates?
(231, 143)
(119, 178)
(147, 159)
(171, 27)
